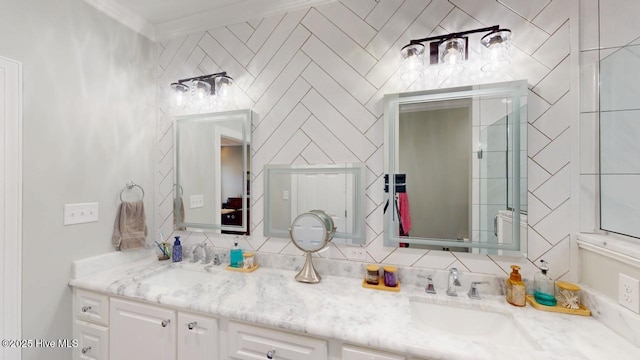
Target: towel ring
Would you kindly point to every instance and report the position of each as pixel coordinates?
(179, 190)
(130, 185)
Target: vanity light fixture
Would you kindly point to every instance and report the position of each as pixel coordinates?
(451, 50)
(205, 91)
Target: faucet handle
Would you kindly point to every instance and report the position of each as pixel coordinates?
(473, 289)
(430, 289)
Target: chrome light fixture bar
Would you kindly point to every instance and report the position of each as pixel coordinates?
(451, 50)
(203, 91)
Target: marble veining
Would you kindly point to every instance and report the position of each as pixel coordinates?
(340, 308)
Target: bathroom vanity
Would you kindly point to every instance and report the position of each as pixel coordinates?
(144, 309)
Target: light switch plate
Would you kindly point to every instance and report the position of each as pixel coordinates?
(629, 292)
(196, 201)
(356, 253)
(80, 213)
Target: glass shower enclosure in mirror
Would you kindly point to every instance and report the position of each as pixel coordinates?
(338, 189)
(619, 145)
(212, 171)
(457, 165)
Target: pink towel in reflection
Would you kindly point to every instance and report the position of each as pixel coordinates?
(405, 213)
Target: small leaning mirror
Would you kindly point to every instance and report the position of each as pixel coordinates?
(311, 232)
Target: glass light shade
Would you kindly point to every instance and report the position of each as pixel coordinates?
(224, 87)
(179, 96)
(412, 62)
(451, 54)
(496, 50)
(200, 91)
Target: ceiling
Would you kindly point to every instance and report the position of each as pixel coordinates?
(165, 19)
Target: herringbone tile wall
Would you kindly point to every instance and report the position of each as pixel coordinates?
(316, 79)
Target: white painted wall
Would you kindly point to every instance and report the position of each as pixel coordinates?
(89, 124)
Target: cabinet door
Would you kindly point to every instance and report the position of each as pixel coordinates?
(356, 353)
(93, 342)
(140, 331)
(197, 337)
(92, 307)
(247, 342)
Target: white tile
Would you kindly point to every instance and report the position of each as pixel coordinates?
(222, 57)
(589, 203)
(292, 148)
(479, 264)
(556, 119)
(375, 134)
(327, 142)
(189, 67)
(348, 22)
(526, 36)
(396, 25)
(536, 106)
(556, 83)
(536, 245)
(556, 48)
(376, 162)
(526, 8)
(275, 41)
(375, 221)
(558, 258)
(285, 107)
(537, 210)
(170, 51)
(424, 25)
(338, 41)
(589, 27)
(314, 155)
(552, 16)
(349, 107)
(242, 31)
(537, 175)
(256, 22)
(274, 245)
(620, 196)
(370, 206)
(589, 63)
(176, 62)
(556, 190)
(281, 85)
(436, 260)
(382, 12)
(404, 256)
(589, 149)
(536, 140)
(555, 226)
(619, 23)
(378, 251)
(374, 192)
(233, 45)
(360, 7)
(339, 126)
(340, 70)
(619, 145)
(527, 269)
(393, 85)
(263, 31)
(556, 155)
(523, 66)
(278, 63)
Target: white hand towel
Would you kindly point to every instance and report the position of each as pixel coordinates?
(130, 228)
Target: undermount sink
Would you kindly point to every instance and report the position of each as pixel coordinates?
(176, 278)
(472, 323)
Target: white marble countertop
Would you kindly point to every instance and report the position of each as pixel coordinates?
(340, 308)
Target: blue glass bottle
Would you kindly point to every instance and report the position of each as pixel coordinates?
(235, 256)
(177, 250)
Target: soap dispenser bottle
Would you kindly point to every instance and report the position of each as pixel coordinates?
(235, 256)
(543, 286)
(177, 250)
(515, 289)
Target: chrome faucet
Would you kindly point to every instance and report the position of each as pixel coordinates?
(452, 282)
(473, 289)
(430, 289)
(198, 255)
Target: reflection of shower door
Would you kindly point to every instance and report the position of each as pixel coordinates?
(329, 192)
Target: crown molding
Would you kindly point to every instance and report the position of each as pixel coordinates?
(125, 16)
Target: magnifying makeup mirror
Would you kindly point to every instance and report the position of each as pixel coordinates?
(310, 232)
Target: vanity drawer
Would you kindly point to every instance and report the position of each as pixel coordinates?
(93, 342)
(357, 353)
(92, 307)
(247, 342)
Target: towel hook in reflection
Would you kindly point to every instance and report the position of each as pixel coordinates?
(179, 190)
(130, 185)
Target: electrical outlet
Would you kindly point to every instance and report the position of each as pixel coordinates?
(80, 213)
(629, 292)
(356, 253)
(196, 201)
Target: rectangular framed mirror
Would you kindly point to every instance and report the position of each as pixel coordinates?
(457, 165)
(290, 190)
(212, 165)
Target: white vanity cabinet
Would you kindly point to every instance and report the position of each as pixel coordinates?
(141, 331)
(197, 337)
(357, 353)
(91, 321)
(248, 342)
